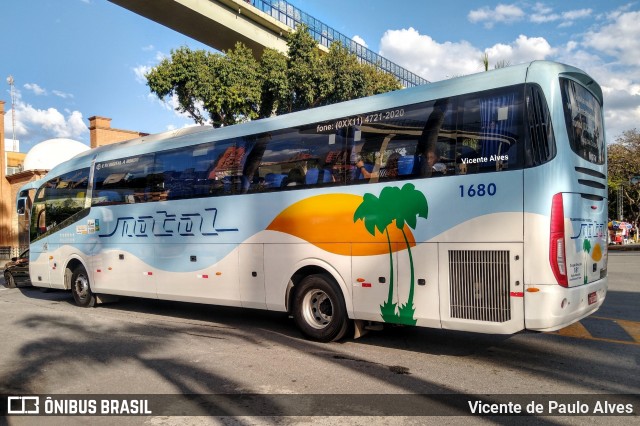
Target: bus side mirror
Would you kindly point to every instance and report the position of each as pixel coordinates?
(21, 206)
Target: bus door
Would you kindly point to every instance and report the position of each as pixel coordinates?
(205, 273)
(119, 268)
(39, 262)
(251, 276)
(418, 282)
(401, 287)
(375, 282)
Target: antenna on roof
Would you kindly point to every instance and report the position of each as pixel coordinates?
(13, 108)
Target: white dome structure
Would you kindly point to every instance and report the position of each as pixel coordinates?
(48, 154)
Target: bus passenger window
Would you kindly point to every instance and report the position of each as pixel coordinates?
(489, 131)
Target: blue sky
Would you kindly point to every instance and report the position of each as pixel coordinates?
(73, 59)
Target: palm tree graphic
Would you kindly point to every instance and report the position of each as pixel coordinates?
(402, 206)
(586, 246)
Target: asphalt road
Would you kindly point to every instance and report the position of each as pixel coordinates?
(147, 347)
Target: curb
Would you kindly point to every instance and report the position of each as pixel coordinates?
(628, 247)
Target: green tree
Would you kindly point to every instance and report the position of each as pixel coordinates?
(234, 93)
(234, 87)
(344, 79)
(375, 81)
(182, 75)
(485, 61)
(274, 86)
(307, 77)
(226, 87)
(623, 164)
(350, 79)
(503, 63)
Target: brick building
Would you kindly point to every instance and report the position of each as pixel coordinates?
(14, 227)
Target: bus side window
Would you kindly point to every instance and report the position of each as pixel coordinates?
(491, 129)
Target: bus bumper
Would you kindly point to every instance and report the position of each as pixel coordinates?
(553, 307)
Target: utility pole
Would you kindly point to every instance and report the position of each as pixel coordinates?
(620, 202)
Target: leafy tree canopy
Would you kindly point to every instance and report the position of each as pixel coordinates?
(229, 88)
(624, 163)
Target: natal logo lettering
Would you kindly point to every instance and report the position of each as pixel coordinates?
(589, 230)
(165, 224)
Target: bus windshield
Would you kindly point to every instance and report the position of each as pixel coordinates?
(583, 115)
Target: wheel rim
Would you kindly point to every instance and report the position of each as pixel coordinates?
(82, 287)
(317, 308)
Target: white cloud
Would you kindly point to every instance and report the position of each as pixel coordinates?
(542, 16)
(33, 125)
(76, 126)
(503, 13)
(437, 61)
(140, 72)
(539, 13)
(543, 13)
(50, 121)
(523, 49)
(577, 14)
(428, 58)
(542, 9)
(61, 94)
(37, 90)
(620, 39)
(359, 40)
(610, 53)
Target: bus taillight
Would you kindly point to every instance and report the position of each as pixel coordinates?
(557, 256)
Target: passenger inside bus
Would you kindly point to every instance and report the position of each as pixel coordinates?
(295, 177)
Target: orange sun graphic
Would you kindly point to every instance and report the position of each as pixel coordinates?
(326, 221)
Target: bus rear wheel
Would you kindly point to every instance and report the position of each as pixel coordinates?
(319, 309)
(81, 289)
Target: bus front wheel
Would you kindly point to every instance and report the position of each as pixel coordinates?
(8, 278)
(319, 309)
(80, 288)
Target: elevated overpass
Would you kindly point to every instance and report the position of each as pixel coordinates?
(258, 24)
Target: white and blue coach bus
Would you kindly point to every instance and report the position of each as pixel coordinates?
(477, 203)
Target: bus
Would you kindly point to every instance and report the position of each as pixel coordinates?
(477, 203)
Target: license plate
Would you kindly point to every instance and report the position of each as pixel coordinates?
(593, 298)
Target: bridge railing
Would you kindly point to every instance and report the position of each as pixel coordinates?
(291, 16)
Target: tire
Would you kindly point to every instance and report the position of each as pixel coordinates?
(81, 289)
(319, 309)
(8, 278)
